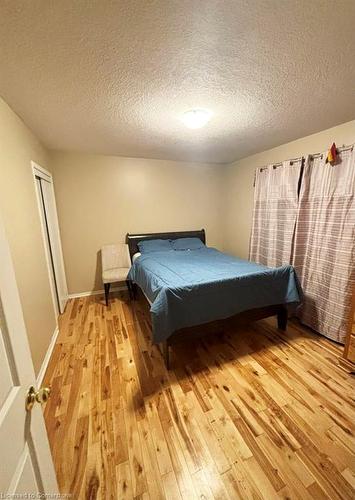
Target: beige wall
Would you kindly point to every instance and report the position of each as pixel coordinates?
(101, 198)
(239, 178)
(19, 213)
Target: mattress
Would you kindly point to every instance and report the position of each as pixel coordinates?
(191, 287)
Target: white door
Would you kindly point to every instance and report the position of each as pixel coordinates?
(26, 465)
(51, 237)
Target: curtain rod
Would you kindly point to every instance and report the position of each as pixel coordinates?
(280, 163)
(291, 160)
(314, 155)
(339, 150)
(346, 148)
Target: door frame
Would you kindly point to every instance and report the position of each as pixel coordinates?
(44, 174)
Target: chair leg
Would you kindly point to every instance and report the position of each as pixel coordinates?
(107, 291)
(128, 283)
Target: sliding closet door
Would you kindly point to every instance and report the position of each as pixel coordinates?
(51, 238)
(54, 241)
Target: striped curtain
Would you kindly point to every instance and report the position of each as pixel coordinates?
(275, 213)
(324, 244)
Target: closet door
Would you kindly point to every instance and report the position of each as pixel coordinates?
(51, 237)
(54, 242)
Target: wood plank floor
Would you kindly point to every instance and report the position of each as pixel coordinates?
(251, 413)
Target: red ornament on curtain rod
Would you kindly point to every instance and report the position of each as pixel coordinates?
(332, 155)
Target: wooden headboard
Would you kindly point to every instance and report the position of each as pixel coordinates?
(133, 239)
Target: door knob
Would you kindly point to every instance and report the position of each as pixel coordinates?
(41, 396)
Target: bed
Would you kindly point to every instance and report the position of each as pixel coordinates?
(200, 286)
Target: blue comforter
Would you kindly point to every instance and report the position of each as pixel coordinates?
(192, 287)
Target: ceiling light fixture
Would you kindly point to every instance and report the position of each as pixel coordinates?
(196, 118)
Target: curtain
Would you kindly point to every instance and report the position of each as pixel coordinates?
(324, 256)
(275, 213)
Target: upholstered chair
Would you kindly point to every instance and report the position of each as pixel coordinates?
(116, 263)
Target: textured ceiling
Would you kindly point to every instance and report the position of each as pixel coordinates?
(113, 77)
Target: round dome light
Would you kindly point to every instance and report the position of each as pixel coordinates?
(196, 118)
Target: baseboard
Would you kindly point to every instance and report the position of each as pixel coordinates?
(96, 292)
(47, 357)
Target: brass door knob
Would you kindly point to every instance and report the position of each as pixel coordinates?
(41, 396)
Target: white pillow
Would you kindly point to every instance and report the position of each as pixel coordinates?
(135, 256)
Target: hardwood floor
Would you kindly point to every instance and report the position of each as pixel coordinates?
(253, 413)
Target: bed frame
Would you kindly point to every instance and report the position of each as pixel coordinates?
(279, 310)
